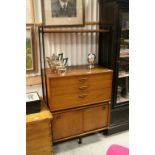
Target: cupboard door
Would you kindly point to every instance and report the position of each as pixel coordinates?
(67, 124)
(96, 117)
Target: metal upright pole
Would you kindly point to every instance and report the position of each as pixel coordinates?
(41, 63)
(44, 69)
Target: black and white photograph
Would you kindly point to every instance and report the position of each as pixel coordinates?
(63, 8)
(63, 12)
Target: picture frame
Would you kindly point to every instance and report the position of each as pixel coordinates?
(31, 54)
(63, 12)
(30, 19)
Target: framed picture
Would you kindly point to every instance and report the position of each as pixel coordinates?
(31, 55)
(29, 12)
(63, 12)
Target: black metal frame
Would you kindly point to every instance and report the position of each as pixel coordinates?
(42, 63)
(116, 78)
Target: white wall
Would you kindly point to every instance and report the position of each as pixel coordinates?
(75, 46)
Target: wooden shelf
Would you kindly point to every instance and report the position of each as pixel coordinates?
(124, 56)
(32, 24)
(124, 29)
(123, 75)
(126, 40)
(92, 23)
(47, 30)
(124, 53)
(122, 99)
(41, 24)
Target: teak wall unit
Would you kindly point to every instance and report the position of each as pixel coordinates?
(114, 54)
(80, 99)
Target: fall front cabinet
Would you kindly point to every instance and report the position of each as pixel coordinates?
(79, 101)
(75, 122)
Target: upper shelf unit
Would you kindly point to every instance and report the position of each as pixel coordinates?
(47, 30)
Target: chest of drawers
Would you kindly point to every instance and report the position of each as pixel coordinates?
(79, 95)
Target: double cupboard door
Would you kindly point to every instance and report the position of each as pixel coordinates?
(79, 121)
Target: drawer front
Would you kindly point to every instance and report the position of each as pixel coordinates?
(78, 99)
(76, 88)
(80, 80)
(68, 81)
(69, 92)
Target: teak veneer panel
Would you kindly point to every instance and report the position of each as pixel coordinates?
(95, 117)
(79, 121)
(67, 124)
(81, 79)
(80, 99)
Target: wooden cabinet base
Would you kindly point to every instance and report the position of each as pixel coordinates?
(79, 122)
(79, 135)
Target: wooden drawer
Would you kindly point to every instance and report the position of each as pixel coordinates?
(68, 81)
(80, 80)
(78, 99)
(76, 88)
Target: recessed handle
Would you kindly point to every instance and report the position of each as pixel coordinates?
(83, 79)
(83, 95)
(58, 117)
(104, 107)
(83, 87)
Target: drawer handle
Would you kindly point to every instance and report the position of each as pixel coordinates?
(83, 87)
(83, 96)
(58, 117)
(83, 79)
